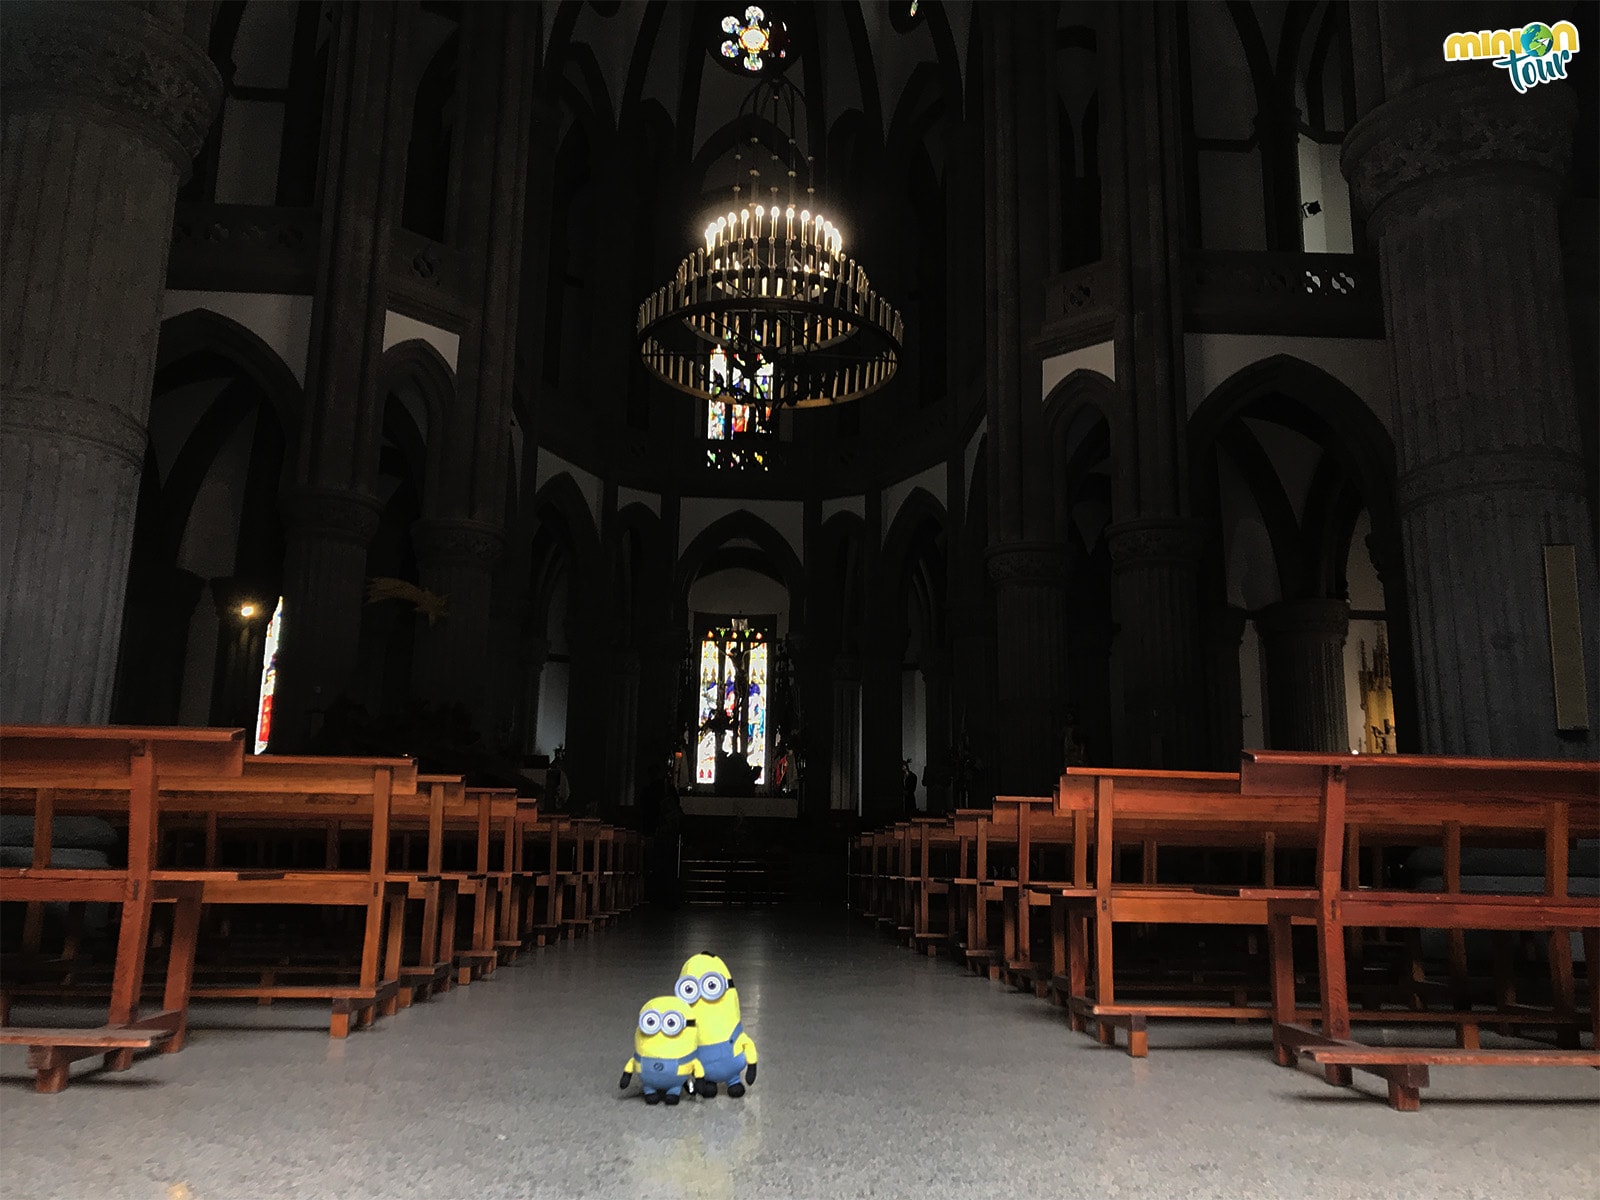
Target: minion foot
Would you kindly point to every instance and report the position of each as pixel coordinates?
(706, 1088)
(736, 1090)
(652, 1097)
(672, 1098)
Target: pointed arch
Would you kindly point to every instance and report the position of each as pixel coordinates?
(733, 526)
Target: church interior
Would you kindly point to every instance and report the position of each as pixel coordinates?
(500, 499)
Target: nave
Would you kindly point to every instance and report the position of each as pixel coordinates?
(883, 1073)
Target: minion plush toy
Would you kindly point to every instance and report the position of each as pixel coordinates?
(725, 1048)
(663, 1051)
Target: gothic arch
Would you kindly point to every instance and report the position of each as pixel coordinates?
(740, 524)
(417, 362)
(204, 331)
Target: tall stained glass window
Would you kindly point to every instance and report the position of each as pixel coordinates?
(732, 743)
(740, 416)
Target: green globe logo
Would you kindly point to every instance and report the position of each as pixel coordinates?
(1537, 40)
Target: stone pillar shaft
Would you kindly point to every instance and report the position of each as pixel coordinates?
(1455, 173)
(456, 560)
(1031, 619)
(1156, 564)
(104, 107)
(845, 784)
(622, 742)
(1302, 647)
(331, 515)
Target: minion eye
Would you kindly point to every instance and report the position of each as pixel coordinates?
(688, 989)
(650, 1022)
(712, 986)
(672, 1024)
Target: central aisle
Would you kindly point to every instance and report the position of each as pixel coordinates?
(882, 1074)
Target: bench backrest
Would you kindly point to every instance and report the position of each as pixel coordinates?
(1424, 798)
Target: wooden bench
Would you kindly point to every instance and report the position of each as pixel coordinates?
(40, 768)
(1411, 798)
(340, 794)
(1152, 809)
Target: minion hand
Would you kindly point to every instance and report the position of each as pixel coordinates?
(626, 1076)
(750, 1073)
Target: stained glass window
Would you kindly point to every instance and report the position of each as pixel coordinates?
(269, 679)
(741, 412)
(732, 711)
(754, 41)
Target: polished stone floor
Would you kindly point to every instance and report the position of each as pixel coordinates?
(882, 1074)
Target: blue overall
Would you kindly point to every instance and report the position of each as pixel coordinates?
(661, 1074)
(721, 1064)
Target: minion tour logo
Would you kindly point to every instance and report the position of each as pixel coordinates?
(1534, 54)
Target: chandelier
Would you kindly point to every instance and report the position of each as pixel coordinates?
(771, 306)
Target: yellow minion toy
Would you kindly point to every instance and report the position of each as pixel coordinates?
(725, 1049)
(663, 1051)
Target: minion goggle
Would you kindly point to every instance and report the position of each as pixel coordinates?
(713, 985)
(672, 1024)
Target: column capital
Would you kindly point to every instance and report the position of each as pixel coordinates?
(1019, 564)
(1448, 127)
(332, 514)
(442, 541)
(1316, 618)
(1157, 541)
(116, 61)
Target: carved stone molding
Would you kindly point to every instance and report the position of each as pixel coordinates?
(243, 247)
(457, 542)
(53, 415)
(332, 514)
(1313, 619)
(1506, 470)
(1019, 564)
(1314, 295)
(115, 59)
(1454, 124)
(1157, 541)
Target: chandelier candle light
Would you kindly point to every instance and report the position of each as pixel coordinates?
(772, 284)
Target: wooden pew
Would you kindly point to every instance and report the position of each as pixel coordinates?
(539, 868)
(37, 765)
(1154, 809)
(988, 842)
(340, 794)
(1415, 798)
(432, 970)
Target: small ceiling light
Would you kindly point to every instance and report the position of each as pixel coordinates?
(247, 611)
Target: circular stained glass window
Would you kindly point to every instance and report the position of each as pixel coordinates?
(754, 42)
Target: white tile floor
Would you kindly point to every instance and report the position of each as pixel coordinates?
(882, 1074)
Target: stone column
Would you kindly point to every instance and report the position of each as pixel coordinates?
(1224, 631)
(1031, 617)
(328, 531)
(105, 106)
(973, 661)
(455, 559)
(937, 667)
(844, 787)
(1156, 563)
(1156, 547)
(622, 730)
(1302, 650)
(331, 514)
(461, 535)
(1460, 177)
